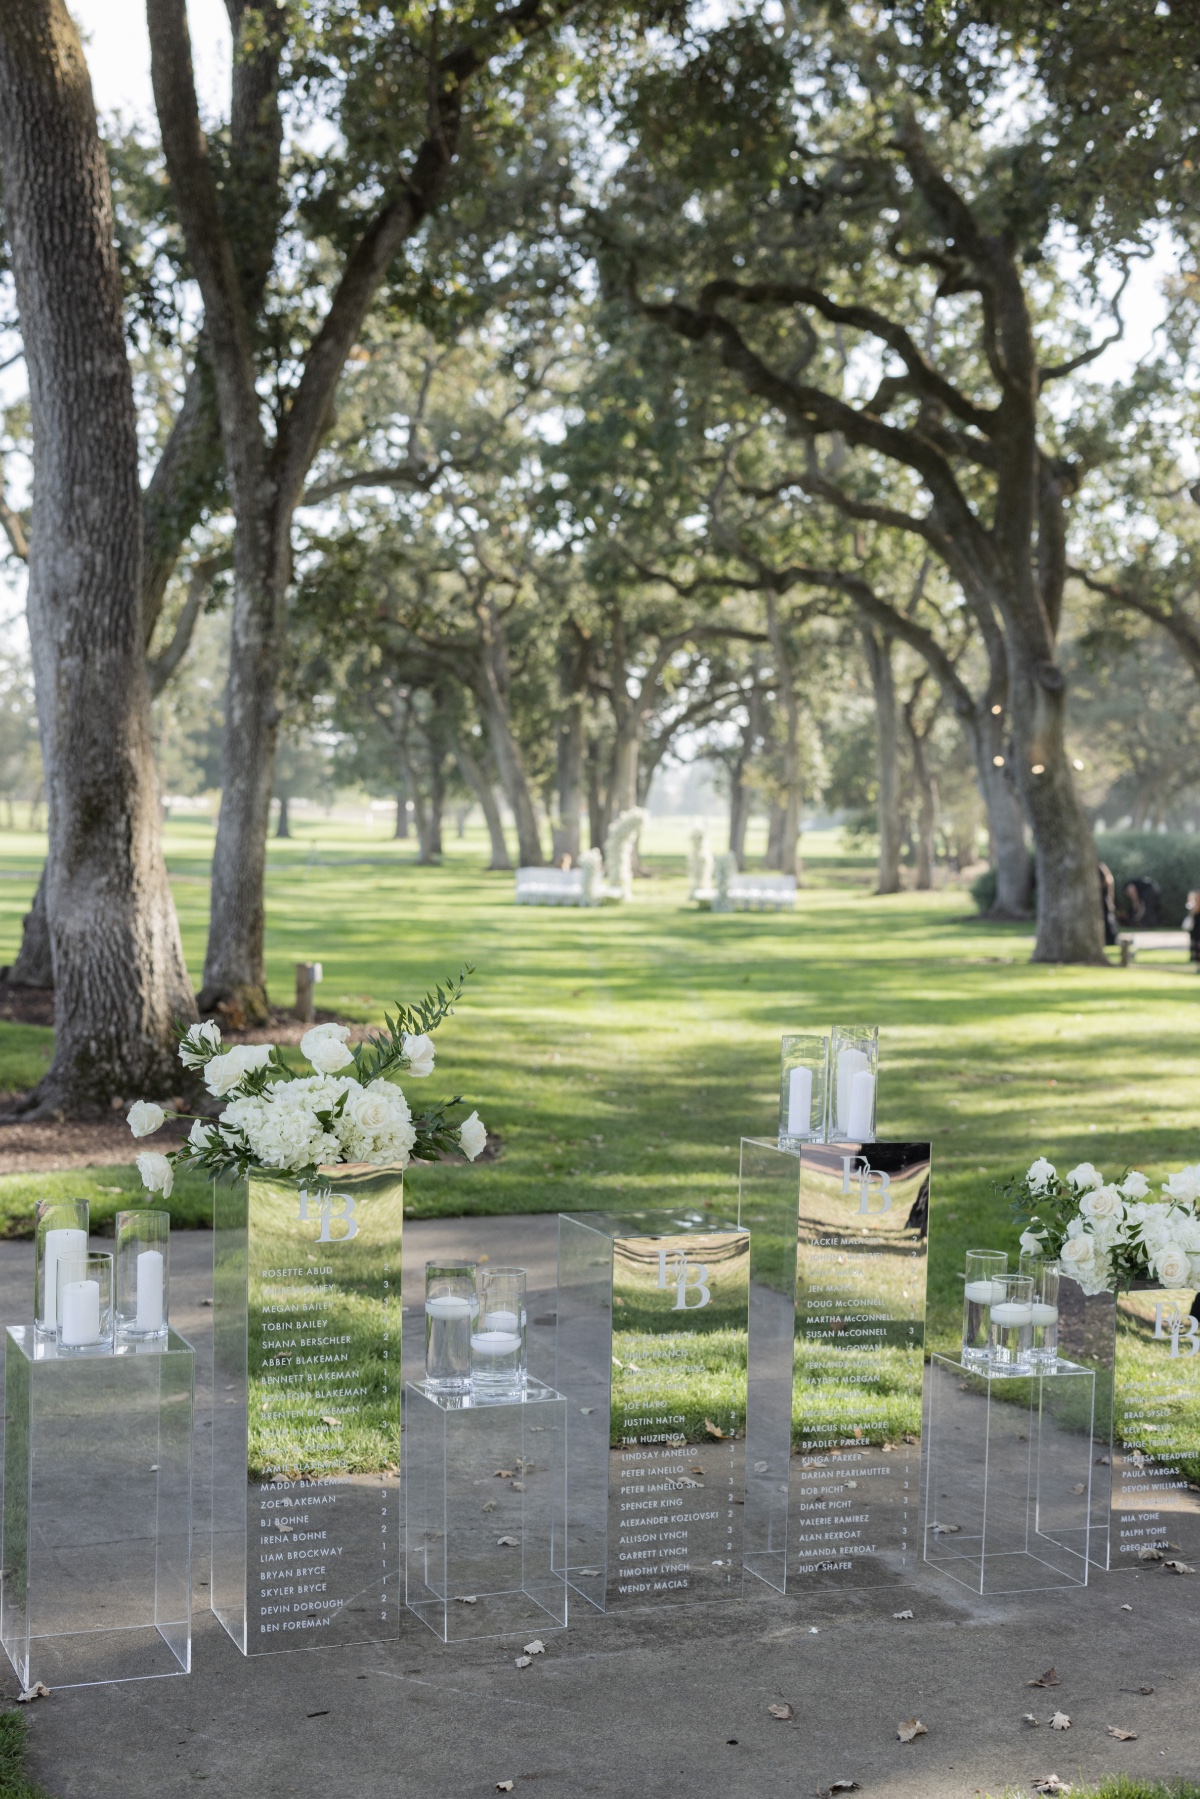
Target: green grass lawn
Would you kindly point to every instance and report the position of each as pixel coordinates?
(621, 1053)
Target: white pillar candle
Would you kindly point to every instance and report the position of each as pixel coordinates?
(448, 1306)
(55, 1245)
(860, 1124)
(850, 1062)
(799, 1114)
(985, 1293)
(150, 1290)
(81, 1313)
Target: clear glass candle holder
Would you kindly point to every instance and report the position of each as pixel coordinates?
(143, 1274)
(1012, 1326)
(61, 1229)
(803, 1084)
(853, 1079)
(986, 1270)
(451, 1307)
(85, 1304)
(1044, 1274)
(498, 1339)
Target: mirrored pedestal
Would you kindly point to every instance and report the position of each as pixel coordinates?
(97, 1580)
(306, 1409)
(1145, 1349)
(1008, 1494)
(485, 1496)
(837, 1333)
(651, 1354)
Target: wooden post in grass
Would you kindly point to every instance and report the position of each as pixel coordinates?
(307, 976)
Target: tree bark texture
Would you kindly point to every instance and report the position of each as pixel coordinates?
(476, 778)
(118, 963)
(34, 966)
(785, 678)
(878, 649)
(927, 804)
(492, 688)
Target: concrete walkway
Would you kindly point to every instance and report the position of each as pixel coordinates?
(667, 1704)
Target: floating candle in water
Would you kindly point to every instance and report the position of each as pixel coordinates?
(495, 1343)
(1011, 1313)
(984, 1293)
(448, 1306)
(502, 1321)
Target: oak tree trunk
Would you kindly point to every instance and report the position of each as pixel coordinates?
(34, 966)
(878, 648)
(477, 780)
(118, 963)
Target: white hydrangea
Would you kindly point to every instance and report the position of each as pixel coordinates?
(360, 1124)
(376, 1125)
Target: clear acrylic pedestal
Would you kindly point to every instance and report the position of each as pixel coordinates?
(838, 1241)
(1008, 1495)
(651, 1352)
(97, 1580)
(485, 1489)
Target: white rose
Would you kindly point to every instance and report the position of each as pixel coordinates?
(1077, 1253)
(1135, 1185)
(156, 1172)
(198, 1136)
(1102, 1205)
(145, 1118)
(1172, 1265)
(200, 1043)
(1085, 1176)
(325, 1047)
(1032, 1246)
(370, 1110)
(225, 1072)
(1185, 1185)
(472, 1135)
(419, 1051)
(1040, 1175)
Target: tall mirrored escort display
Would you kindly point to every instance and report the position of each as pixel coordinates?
(652, 1336)
(838, 1240)
(306, 1425)
(97, 1580)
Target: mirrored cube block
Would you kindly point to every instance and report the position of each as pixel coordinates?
(651, 1353)
(306, 1408)
(97, 1581)
(838, 1241)
(485, 1497)
(1008, 1495)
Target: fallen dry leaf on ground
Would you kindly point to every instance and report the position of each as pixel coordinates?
(713, 1430)
(490, 1506)
(537, 1647)
(466, 1599)
(1029, 1718)
(505, 1473)
(1126, 1608)
(784, 1712)
(946, 1530)
(840, 1786)
(1048, 1679)
(504, 1786)
(1078, 1487)
(1060, 1721)
(1146, 1554)
(1122, 1736)
(1144, 1691)
(911, 1727)
(29, 1694)
(1180, 1567)
(905, 1614)
(583, 1571)
(507, 1543)
(1049, 1783)
(524, 1661)
(328, 1418)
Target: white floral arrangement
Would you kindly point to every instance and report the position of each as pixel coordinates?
(349, 1109)
(724, 868)
(591, 864)
(699, 863)
(1108, 1234)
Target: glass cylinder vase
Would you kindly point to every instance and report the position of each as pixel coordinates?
(451, 1307)
(498, 1341)
(803, 1084)
(853, 1078)
(61, 1228)
(986, 1269)
(143, 1274)
(1012, 1326)
(1044, 1274)
(84, 1308)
